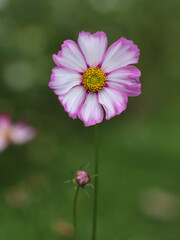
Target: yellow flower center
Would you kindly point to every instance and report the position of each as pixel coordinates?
(94, 79)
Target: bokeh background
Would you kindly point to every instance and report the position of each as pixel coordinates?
(139, 196)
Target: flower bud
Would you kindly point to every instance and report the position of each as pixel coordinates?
(82, 178)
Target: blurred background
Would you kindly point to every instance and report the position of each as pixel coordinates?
(139, 190)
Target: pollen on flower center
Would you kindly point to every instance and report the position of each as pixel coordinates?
(94, 79)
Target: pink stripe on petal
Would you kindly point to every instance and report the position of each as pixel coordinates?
(122, 53)
(62, 80)
(91, 111)
(132, 90)
(22, 133)
(73, 100)
(126, 79)
(93, 47)
(125, 73)
(113, 101)
(70, 57)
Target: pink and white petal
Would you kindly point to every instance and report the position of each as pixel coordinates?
(82, 181)
(62, 80)
(22, 133)
(70, 57)
(126, 79)
(113, 101)
(91, 111)
(73, 100)
(132, 89)
(78, 177)
(125, 73)
(93, 47)
(4, 143)
(122, 53)
(5, 121)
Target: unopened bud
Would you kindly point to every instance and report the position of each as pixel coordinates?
(82, 178)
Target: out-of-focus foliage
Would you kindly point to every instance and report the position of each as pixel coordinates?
(139, 150)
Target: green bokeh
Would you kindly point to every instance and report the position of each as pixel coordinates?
(139, 150)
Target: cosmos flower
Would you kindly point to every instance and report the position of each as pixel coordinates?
(82, 178)
(10, 133)
(88, 79)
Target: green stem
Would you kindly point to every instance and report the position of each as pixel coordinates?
(95, 182)
(74, 213)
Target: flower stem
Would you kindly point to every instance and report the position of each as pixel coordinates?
(95, 182)
(74, 213)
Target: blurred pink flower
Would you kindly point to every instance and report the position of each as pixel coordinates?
(88, 78)
(10, 133)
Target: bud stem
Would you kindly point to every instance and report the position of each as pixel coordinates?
(74, 213)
